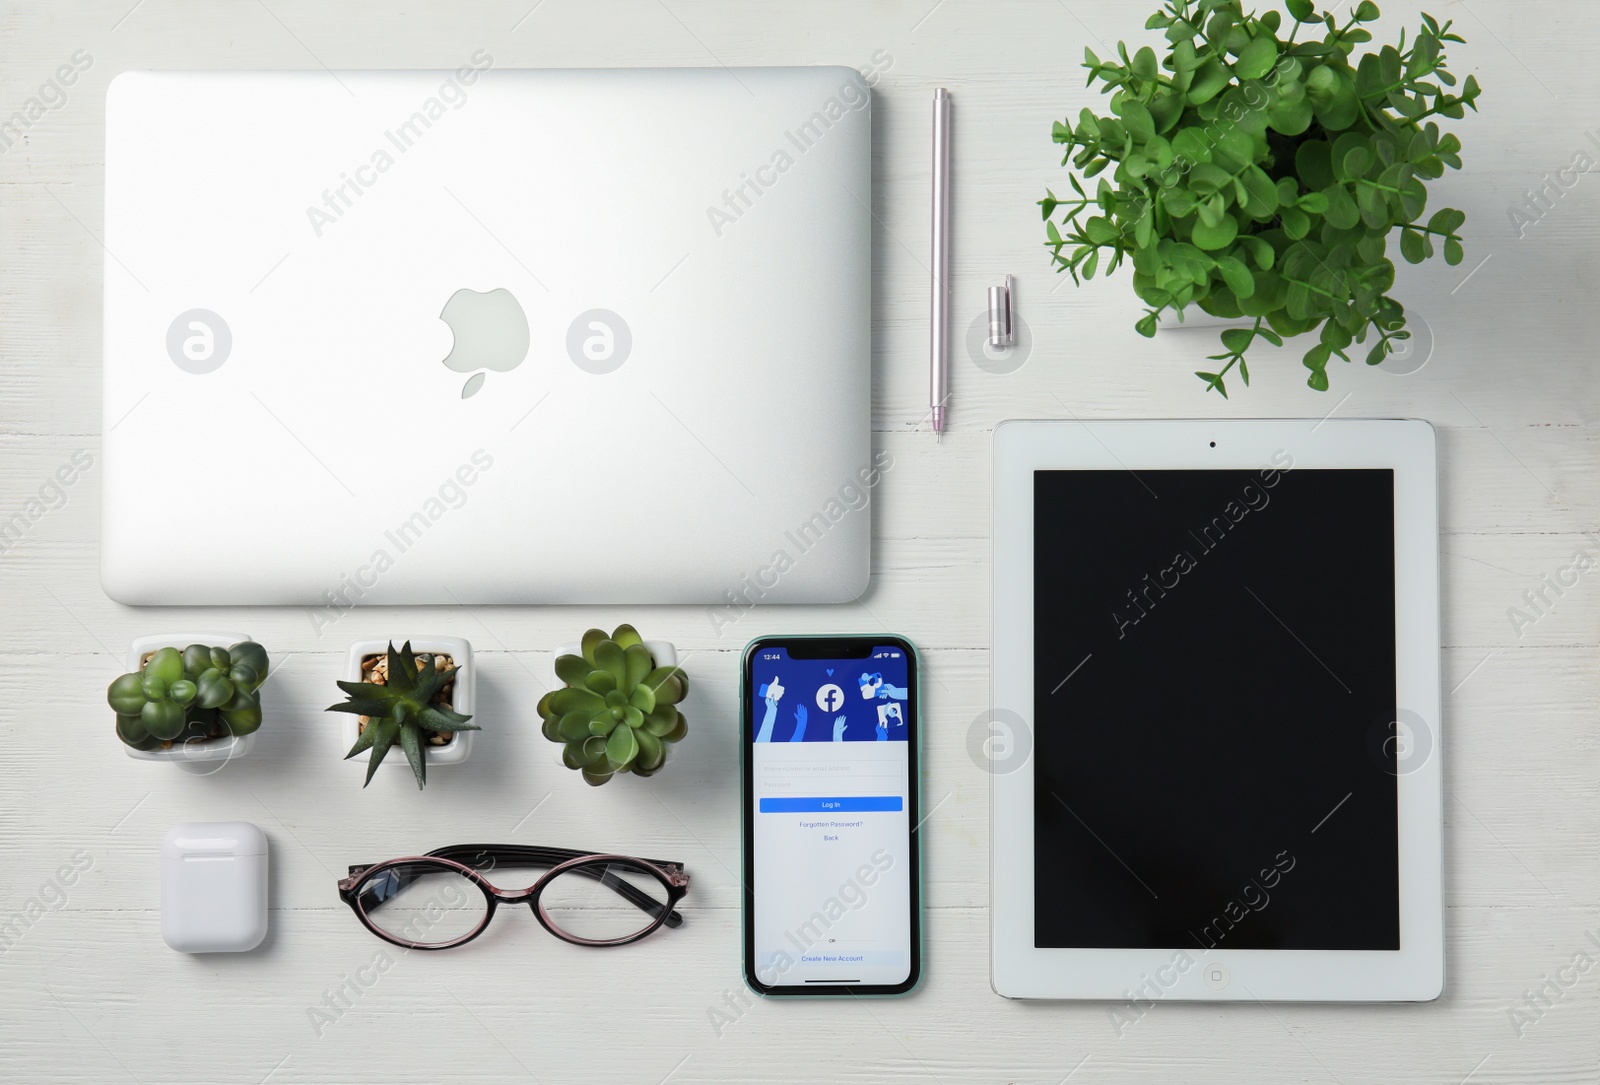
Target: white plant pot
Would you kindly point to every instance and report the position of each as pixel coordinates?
(661, 651)
(196, 757)
(464, 698)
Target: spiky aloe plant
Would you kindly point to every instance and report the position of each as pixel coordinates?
(401, 711)
(199, 693)
(618, 710)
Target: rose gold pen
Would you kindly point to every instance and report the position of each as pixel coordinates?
(939, 346)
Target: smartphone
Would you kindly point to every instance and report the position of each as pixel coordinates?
(831, 772)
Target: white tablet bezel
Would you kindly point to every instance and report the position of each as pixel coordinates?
(1415, 972)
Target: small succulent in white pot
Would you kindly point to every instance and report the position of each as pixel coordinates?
(419, 697)
(617, 710)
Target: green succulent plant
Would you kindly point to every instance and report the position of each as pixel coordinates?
(617, 711)
(1258, 176)
(197, 693)
(402, 711)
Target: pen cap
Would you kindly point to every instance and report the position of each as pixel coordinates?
(1000, 314)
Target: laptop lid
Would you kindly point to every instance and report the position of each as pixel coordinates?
(487, 336)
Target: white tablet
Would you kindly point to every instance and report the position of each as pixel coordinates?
(1216, 671)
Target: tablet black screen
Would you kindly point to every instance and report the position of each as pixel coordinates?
(1214, 691)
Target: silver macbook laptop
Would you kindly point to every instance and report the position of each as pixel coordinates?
(488, 336)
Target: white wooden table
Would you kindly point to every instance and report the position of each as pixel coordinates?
(89, 993)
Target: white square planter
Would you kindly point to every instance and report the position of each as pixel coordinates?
(199, 755)
(464, 698)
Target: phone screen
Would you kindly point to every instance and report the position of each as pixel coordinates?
(831, 893)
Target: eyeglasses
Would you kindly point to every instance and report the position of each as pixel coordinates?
(441, 899)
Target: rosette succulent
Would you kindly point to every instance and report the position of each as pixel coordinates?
(402, 710)
(198, 693)
(617, 711)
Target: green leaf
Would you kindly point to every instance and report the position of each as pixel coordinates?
(1295, 223)
(1101, 231)
(652, 751)
(412, 745)
(661, 721)
(1413, 246)
(572, 755)
(1178, 202)
(609, 655)
(437, 718)
(1290, 118)
(637, 664)
(130, 729)
(249, 654)
(1257, 58)
(1313, 203)
(1146, 325)
(1145, 65)
(572, 669)
(384, 734)
(1454, 253)
(591, 638)
(601, 682)
(1209, 81)
(1192, 145)
(574, 726)
(643, 698)
(1447, 220)
(402, 667)
(1237, 276)
(1304, 11)
(162, 719)
(1207, 178)
(679, 730)
(213, 689)
(166, 664)
(364, 741)
(1341, 213)
(1215, 237)
(1214, 382)
(670, 691)
(126, 696)
(572, 699)
(1260, 252)
(621, 746)
(1366, 12)
(1237, 340)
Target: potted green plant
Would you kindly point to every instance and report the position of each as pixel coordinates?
(1260, 177)
(189, 700)
(419, 697)
(616, 710)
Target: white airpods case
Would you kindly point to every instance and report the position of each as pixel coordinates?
(214, 887)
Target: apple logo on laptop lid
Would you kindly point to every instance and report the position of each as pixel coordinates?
(491, 332)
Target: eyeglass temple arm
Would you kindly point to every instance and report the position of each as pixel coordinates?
(476, 855)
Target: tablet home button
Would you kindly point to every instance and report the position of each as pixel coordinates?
(1217, 976)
